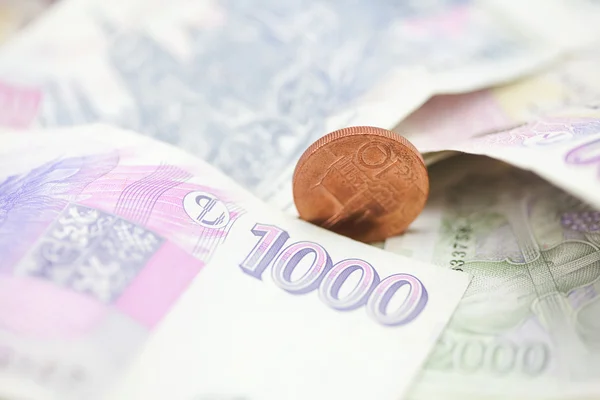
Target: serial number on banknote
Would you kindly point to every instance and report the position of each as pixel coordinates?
(460, 244)
(327, 278)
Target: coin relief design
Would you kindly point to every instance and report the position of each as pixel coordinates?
(366, 183)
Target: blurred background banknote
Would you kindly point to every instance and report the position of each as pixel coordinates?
(108, 236)
(248, 85)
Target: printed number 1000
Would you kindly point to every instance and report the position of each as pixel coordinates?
(327, 278)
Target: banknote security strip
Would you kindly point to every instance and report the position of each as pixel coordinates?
(132, 270)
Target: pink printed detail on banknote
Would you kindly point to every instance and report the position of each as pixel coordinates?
(450, 118)
(18, 105)
(88, 238)
(542, 133)
(49, 310)
(451, 22)
(39, 308)
(153, 196)
(159, 284)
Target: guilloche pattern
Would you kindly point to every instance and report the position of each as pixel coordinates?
(91, 252)
(95, 246)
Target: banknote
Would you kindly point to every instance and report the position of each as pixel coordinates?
(562, 148)
(528, 325)
(448, 119)
(248, 85)
(110, 240)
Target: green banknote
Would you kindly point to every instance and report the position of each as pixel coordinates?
(529, 324)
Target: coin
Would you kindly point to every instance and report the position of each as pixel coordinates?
(363, 182)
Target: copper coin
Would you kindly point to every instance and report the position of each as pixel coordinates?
(362, 182)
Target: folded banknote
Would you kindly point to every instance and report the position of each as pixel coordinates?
(561, 147)
(548, 123)
(117, 248)
(451, 119)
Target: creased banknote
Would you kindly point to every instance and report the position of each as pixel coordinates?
(528, 325)
(445, 120)
(248, 85)
(562, 148)
(549, 124)
(110, 239)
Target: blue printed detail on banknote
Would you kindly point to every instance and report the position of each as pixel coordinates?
(249, 85)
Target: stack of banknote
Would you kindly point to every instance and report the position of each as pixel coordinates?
(150, 247)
